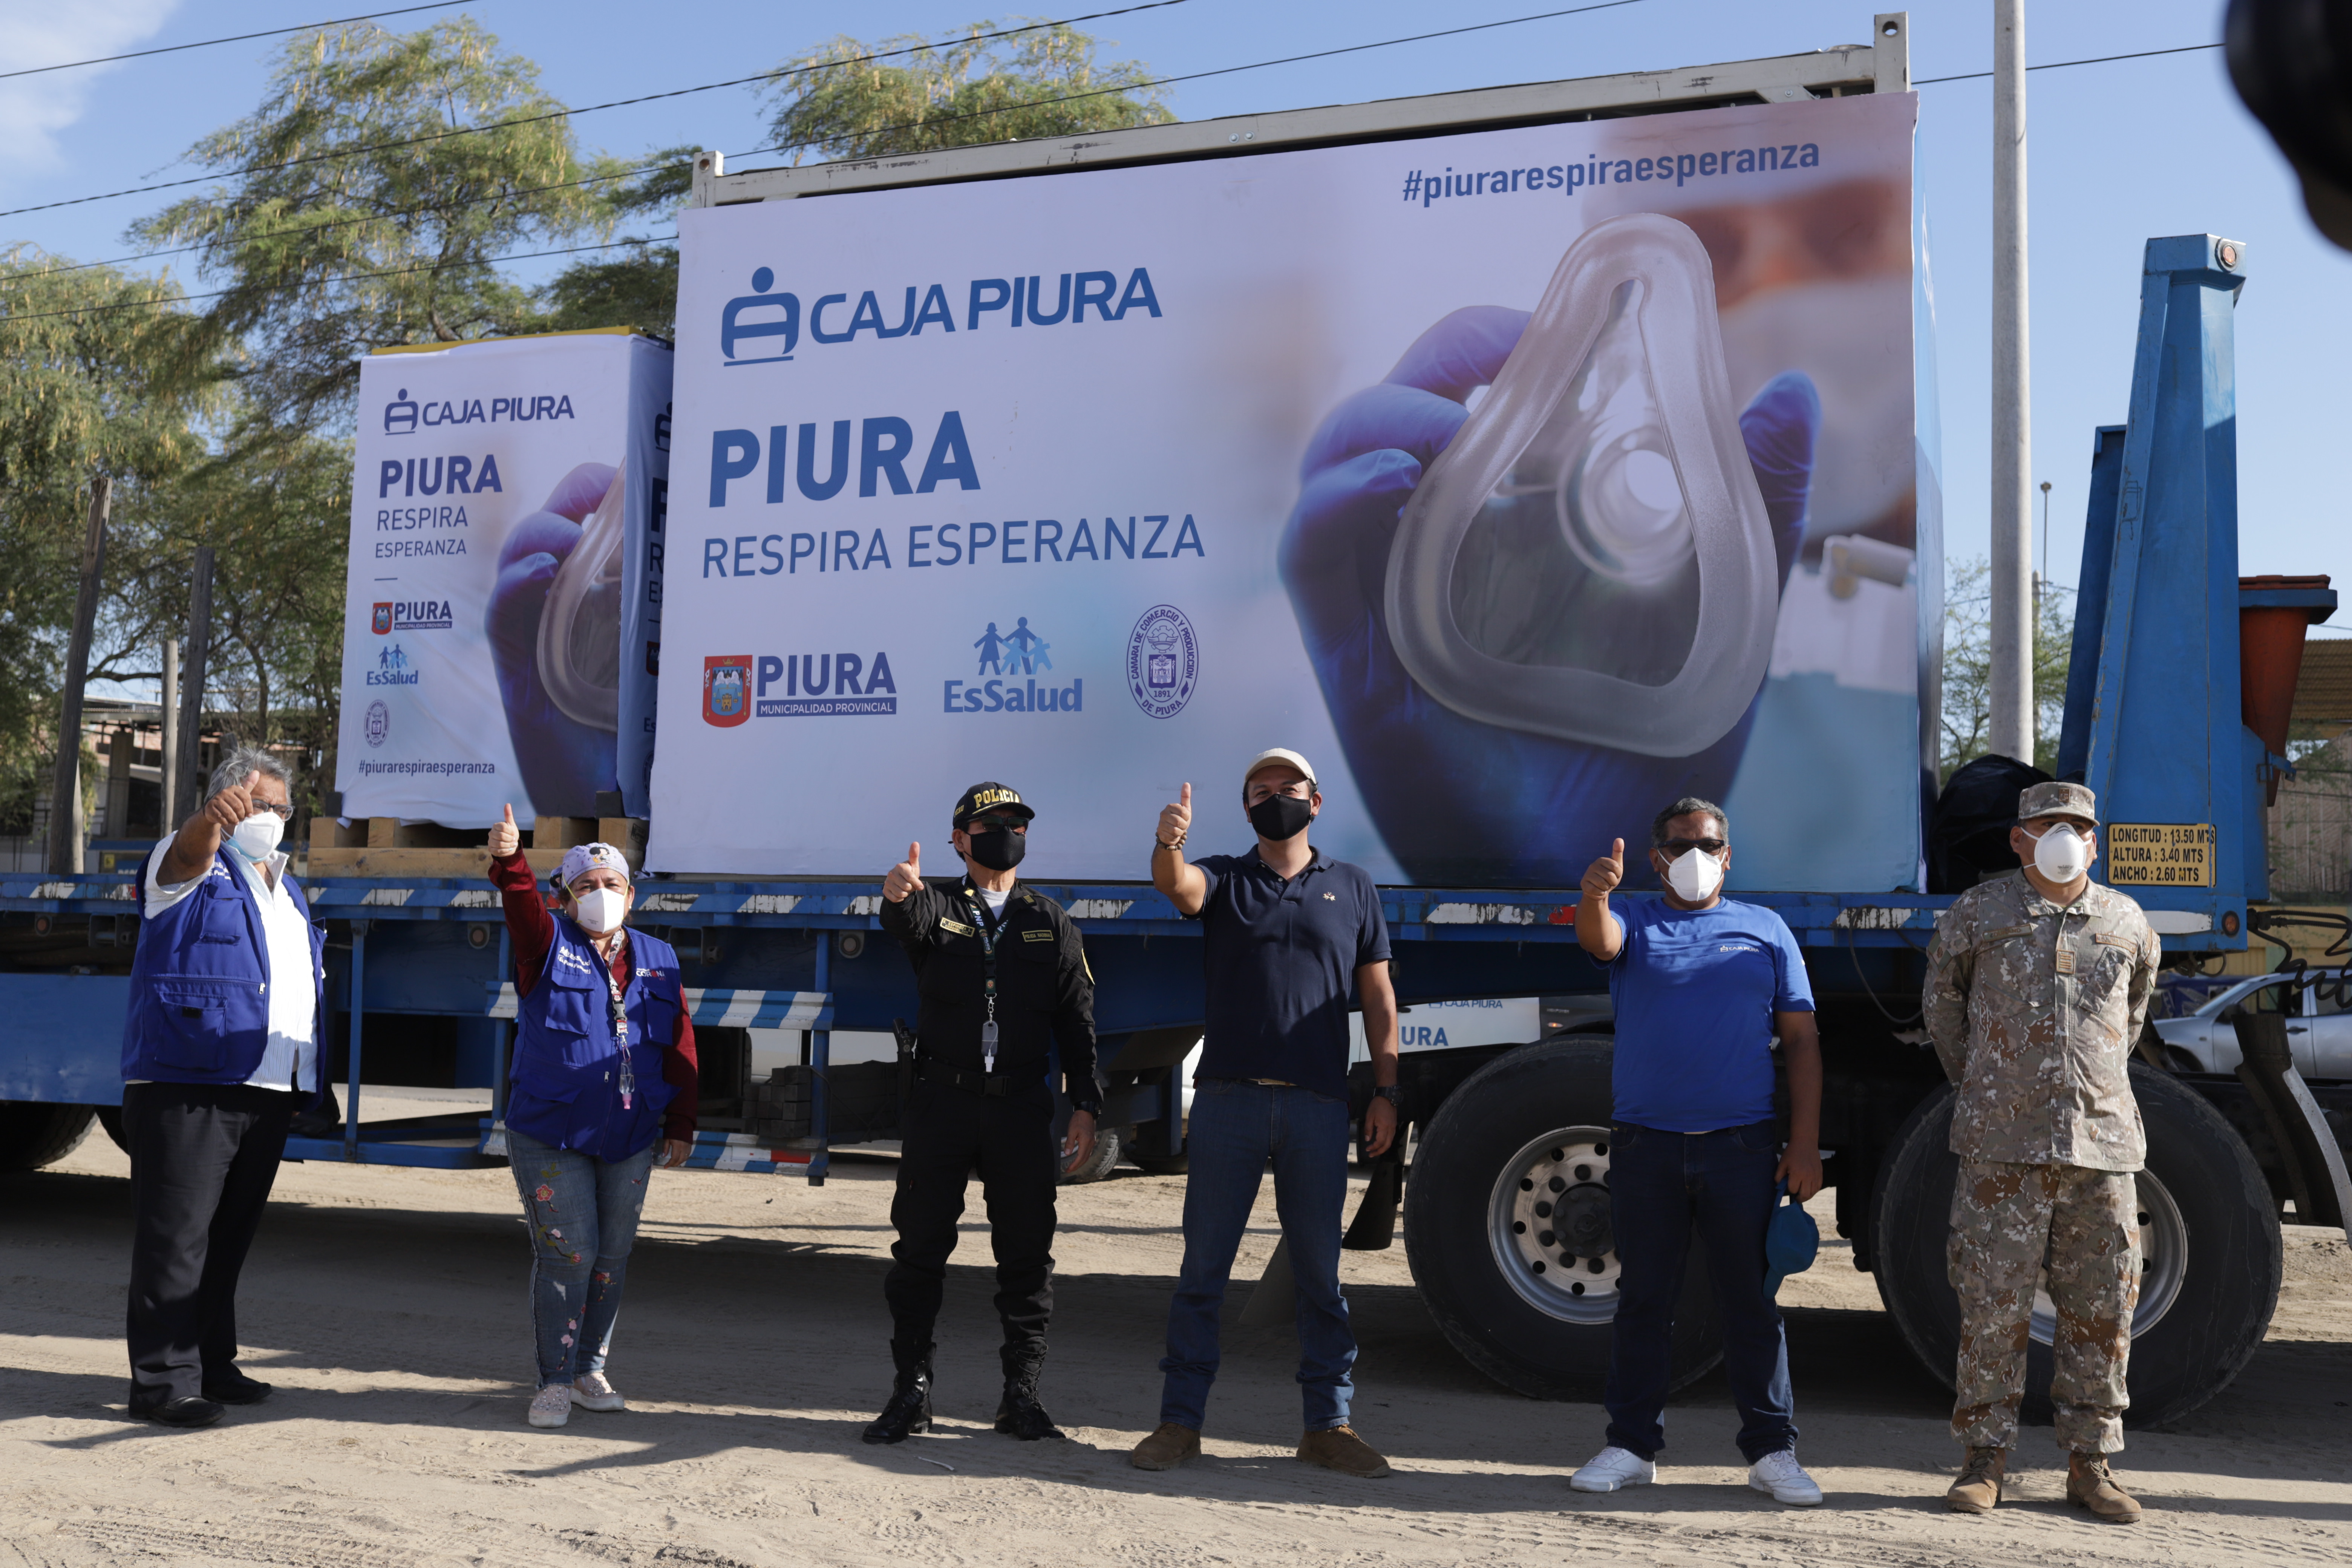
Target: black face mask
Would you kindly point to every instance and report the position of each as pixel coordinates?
(999, 849)
(1278, 816)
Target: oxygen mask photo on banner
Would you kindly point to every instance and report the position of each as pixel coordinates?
(1589, 558)
(555, 633)
(1579, 578)
(580, 632)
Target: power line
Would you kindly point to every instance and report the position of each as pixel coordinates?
(1221, 70)
(2061, 65)
(907, 125)
(340, 278)
(586, 108)
(237, 38)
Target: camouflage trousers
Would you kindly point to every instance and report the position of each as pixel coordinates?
(2006, 1220)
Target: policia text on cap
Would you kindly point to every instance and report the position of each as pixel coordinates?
(1003, 980)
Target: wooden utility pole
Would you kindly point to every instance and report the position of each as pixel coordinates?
(191, 720)
(65, 783)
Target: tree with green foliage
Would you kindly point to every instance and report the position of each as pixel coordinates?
(637, 288)
(98, 374)
(839, 102)
(365, 203)
(1967, 665)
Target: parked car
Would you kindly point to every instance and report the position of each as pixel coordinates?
(2318, 1030)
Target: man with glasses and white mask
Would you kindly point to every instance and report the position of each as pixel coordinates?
(2038, 987)
(1704, 988)
(220, 1041)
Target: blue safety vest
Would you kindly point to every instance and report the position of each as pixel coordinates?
(200, 982)
(565, 1089)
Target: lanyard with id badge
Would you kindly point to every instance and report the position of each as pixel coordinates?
(621, 1037)
(988, 928)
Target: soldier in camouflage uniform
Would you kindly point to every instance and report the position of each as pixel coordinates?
(2038, 987)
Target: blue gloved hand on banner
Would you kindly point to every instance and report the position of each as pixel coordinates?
(565, 763)
(1457, 800)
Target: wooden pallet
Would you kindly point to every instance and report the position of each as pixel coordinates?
(386, 846)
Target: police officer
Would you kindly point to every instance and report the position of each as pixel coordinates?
(2038, 987)
(1003, 980)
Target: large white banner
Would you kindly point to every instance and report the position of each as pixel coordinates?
(503, 599)
(1524, 481)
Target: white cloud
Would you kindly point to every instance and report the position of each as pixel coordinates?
(35, 108)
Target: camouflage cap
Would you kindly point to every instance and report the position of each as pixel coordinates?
(2054, 799)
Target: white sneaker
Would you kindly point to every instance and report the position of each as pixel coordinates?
(1780, 1476)
(594, 1392)
(553, 1406)
(1611, 1469)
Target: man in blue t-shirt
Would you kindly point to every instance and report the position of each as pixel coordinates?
(1703, 987)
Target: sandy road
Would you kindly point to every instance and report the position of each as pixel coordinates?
(388, 1307)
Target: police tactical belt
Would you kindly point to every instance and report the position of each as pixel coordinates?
(995, 1085)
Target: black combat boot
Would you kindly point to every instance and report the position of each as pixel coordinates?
(910, 1410)
(1018, 1414)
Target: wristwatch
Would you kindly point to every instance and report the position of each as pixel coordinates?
(1390, 1093)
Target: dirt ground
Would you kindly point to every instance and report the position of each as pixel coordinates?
(388, 1307)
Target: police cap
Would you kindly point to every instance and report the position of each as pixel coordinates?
(989, 796)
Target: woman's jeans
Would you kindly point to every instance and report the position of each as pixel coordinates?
(1236, 1127)
(582, 1213)
(1660, 1185)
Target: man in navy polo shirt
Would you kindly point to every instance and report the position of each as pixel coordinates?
(1702, 985)
(1286, 932)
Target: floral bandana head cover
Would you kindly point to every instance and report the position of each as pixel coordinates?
(582, 859)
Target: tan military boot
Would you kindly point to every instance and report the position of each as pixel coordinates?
(1979, 1487)
(2091, 1485)
(1341, 1449)
(1168, 1446)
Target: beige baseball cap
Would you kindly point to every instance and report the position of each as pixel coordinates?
(1278, 754)
(2058, 799)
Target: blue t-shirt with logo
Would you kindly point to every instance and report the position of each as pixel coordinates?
(1695, 991)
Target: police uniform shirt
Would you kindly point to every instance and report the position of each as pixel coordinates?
(1044, 992)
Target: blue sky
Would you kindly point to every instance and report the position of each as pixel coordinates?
(2119, 152)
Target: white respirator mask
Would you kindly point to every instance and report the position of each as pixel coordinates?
(602, 909)
(1590, 558)
(1694, 876)
(256, 838)
(2062, 854)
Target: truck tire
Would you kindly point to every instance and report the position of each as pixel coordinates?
(33, 1134)
(1531, 1307)
(2210, 1253)
(1098, 1162)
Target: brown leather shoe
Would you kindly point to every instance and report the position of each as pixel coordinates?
(2090, 1485)
(1168, 1446)
(1979, 1487)
(1338, 1448)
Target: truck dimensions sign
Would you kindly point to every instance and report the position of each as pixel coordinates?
(2159, 854)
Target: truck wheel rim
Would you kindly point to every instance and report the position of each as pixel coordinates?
(1547, 1226)
(2163, 1264)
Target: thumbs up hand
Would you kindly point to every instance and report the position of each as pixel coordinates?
(1600, 879)
(505, 837)
(1176, 820)
(905, 876)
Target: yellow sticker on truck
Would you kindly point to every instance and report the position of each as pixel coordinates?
(2158, 854)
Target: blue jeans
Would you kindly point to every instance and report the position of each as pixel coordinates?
(582, 1213)
(1660, 1185)
(1235, 1128)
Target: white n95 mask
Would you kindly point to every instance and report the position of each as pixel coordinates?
(1695, 875)
(2062, 854)
(257, 837)
(601, 909)
(1590, 559)
(580, 629)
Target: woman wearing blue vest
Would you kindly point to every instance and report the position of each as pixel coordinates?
(604, 1068)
